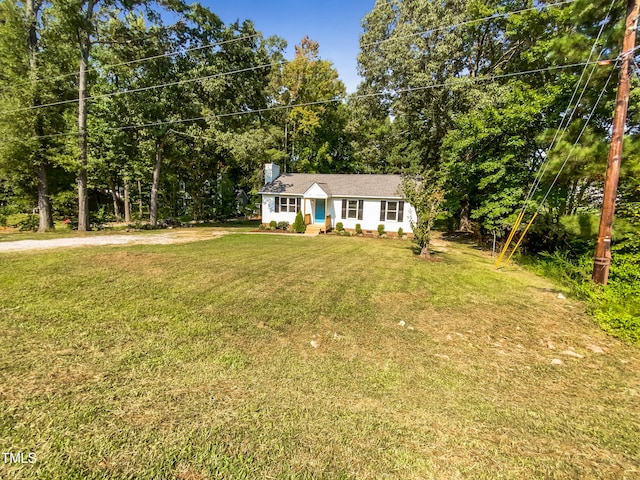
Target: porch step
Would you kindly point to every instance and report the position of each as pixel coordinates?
(314, 229)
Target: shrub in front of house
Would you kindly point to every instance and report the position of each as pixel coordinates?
(282, 225)
(339, 227)
(381, 230)
(273, 225)
(400, 232)
(358, 229)
(262, 226)
(298, 224)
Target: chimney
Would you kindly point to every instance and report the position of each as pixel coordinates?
(271, 172)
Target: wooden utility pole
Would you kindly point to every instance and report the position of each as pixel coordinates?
(603, 247)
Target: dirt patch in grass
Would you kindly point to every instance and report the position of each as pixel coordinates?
(163, 238)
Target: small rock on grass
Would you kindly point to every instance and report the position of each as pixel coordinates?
(557, 361)
(571, 353)
(401, 323)
(444, 357)
(596, 349)
(314, 344)
(561, 296)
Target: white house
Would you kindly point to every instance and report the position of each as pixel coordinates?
(326, 199)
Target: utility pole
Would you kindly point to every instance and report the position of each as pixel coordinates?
(603, 247)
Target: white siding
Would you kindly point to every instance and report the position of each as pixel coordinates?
(370, 216)
(269, 213)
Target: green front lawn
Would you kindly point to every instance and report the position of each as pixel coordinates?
(196, 361)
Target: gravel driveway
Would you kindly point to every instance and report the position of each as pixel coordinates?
(163, 238)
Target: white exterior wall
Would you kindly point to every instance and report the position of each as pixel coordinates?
(269, 211)
(370, 214)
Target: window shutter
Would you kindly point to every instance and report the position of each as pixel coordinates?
(360, 208)
(277, 204)
(400, 211)
(298, 204)
(344, 208)
(383, 210)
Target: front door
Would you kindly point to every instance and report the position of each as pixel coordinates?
(319, 218)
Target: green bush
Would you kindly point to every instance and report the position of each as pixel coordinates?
(273, 224)
(298, 224)
(358, 229)
(29, 224)
(616, 306)
(22, 221)
(339, 227)
(282, 225)
(381, 231)
(400, 232)
(14, 219)
(3, 220)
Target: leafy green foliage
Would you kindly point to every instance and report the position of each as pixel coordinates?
(298, 224)
(426, 197)
(381, 231)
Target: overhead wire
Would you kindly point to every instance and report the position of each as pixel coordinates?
(543, 168)
(139, 60)
(455, 81)
(179, 52)
(144, 89)
(584, 127)
(468, 22)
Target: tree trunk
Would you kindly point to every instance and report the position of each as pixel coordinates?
(153, 203)
(424, 253)
(139, 200)
(116, 201)
(127, 205)
(465, 223)
(84, 36)
(44, 205)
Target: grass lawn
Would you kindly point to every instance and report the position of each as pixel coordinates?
(195, 361)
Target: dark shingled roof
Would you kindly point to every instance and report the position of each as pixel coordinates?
(339, 185)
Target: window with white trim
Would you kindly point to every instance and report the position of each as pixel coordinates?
(288, 204)
(392, 211)
(352, 209)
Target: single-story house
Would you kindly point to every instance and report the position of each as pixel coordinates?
(326, 199)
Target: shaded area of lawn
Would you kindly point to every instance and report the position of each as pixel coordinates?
(196, 361)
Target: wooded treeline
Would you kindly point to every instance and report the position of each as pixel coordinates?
(104, 100)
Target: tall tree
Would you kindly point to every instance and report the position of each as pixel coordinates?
(311, 92)
(28, 50)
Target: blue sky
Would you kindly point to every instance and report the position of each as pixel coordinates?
(334, 24)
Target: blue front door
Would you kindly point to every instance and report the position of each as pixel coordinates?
(319, 211)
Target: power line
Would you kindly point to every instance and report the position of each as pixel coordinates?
(456, 80)
(143, 89)
(546, 162)
(584, 127)
(144, 59)
(467, 22)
